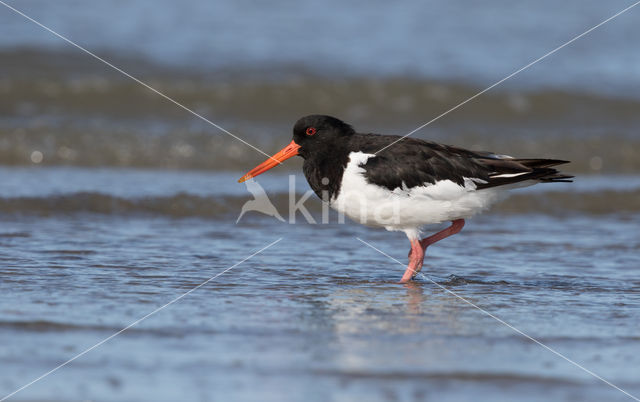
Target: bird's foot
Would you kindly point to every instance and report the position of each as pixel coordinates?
(405, 279)
(412, 271)
(416, 256)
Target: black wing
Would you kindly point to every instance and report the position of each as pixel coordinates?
(413, 162)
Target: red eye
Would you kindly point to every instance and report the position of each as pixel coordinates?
(311, 131)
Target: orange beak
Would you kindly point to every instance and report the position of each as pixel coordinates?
(284, 154)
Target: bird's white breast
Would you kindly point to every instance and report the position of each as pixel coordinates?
(406, 209)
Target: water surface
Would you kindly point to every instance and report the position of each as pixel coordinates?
(114, 202)
(317, 316)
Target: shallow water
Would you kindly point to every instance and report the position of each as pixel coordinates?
(104, 219)
(318, 315)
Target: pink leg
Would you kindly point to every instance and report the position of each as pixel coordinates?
(455, 227)
(415, 261)
(419, 248)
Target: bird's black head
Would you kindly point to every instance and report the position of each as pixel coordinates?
(318, 133)
(313, 135)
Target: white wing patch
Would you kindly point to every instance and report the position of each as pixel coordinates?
(500, 156)
(509, 175)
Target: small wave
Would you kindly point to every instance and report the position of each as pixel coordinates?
(455, 280)
(53, 326)
(176, 206)
(185, 205)
(14, 234)
(601, 202)
(454, 376)
(45, 326)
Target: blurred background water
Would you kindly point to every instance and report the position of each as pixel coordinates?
(113, 201)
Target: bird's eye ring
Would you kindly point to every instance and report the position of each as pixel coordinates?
(311, 131)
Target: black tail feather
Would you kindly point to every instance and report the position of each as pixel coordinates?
(540, 163)
(510, 171)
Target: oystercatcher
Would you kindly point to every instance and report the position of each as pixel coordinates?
(404, 184)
